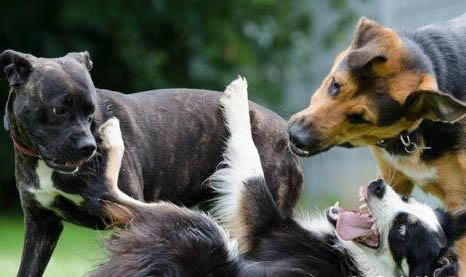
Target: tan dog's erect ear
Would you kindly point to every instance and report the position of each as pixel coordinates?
(83, 58)
(371, 43)
(434, 105)
(361, 57)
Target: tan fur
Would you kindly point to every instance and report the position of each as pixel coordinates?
(327, 114)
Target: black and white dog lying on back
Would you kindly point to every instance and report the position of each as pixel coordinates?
(389, 236)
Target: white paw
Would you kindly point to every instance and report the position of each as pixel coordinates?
(110, 134)
(236, 91)
(236, 107)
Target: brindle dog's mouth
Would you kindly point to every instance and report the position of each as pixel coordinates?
(66, 167)
(358, 226)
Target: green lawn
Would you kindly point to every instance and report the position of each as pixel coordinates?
(77, 252)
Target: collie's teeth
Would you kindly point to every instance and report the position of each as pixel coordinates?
(363, 206)
(361, 198)
(374, 227)
(336, 205)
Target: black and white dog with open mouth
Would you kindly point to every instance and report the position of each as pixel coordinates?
(389, 235)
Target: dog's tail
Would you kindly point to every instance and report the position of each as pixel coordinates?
(245, 205)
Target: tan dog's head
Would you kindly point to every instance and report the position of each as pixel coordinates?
(378, 87)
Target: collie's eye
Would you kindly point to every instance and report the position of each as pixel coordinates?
(334, 88)
(404, 198)
(357, 118)
(59, 111)
(402, 229)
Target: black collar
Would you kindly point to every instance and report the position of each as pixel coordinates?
(403, 144)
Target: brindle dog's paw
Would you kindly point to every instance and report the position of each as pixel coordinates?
(110, 135)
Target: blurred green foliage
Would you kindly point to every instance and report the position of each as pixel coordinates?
(142, 45)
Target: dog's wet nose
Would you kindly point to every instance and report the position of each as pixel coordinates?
(377, 188)
(301, 136)
(86, 147)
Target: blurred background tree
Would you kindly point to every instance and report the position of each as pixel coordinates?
(142, 45)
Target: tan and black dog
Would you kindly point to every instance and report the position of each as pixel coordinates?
(401, 93)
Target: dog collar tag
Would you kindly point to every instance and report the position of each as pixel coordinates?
(6, 123)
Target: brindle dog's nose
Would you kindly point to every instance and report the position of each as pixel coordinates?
(303, 137)
(86, 146)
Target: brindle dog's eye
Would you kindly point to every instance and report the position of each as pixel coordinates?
(334, 88)
(58, 111)
(357, 118)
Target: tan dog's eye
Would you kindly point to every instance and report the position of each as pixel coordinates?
(357, 118)
(334, 88)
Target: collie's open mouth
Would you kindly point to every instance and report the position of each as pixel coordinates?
(358, 226)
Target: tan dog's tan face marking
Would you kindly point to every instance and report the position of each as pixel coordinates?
(377, 88)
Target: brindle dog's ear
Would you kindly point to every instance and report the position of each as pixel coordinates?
(434, 105)
(83, 58)
(15, 67)
(370, 44)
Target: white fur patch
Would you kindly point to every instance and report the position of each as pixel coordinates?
(241, 159)
(315, 222)
(46, 193)
(387, 208)
(412, 168)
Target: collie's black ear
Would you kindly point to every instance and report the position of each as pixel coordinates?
(434, 105)
(15, 67)
(453, 224)
(83, 58)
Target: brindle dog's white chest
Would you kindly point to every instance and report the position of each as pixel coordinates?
(411, 166)
(46, 192)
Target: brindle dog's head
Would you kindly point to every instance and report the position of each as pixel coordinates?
(377, 88)
(51, 106)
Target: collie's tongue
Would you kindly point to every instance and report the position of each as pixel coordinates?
(353, 225)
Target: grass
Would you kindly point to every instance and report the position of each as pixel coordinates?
(77, 252)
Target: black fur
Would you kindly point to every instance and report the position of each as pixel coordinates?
(436, 49)
(422, 248)
(173, 139)
(184, 243)
(173, 241)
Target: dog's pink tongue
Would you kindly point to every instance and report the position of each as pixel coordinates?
(352, 225)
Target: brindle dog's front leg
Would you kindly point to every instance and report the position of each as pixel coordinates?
(43, 229)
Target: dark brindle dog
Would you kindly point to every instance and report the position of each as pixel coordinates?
(173, 143)
(399, 92)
